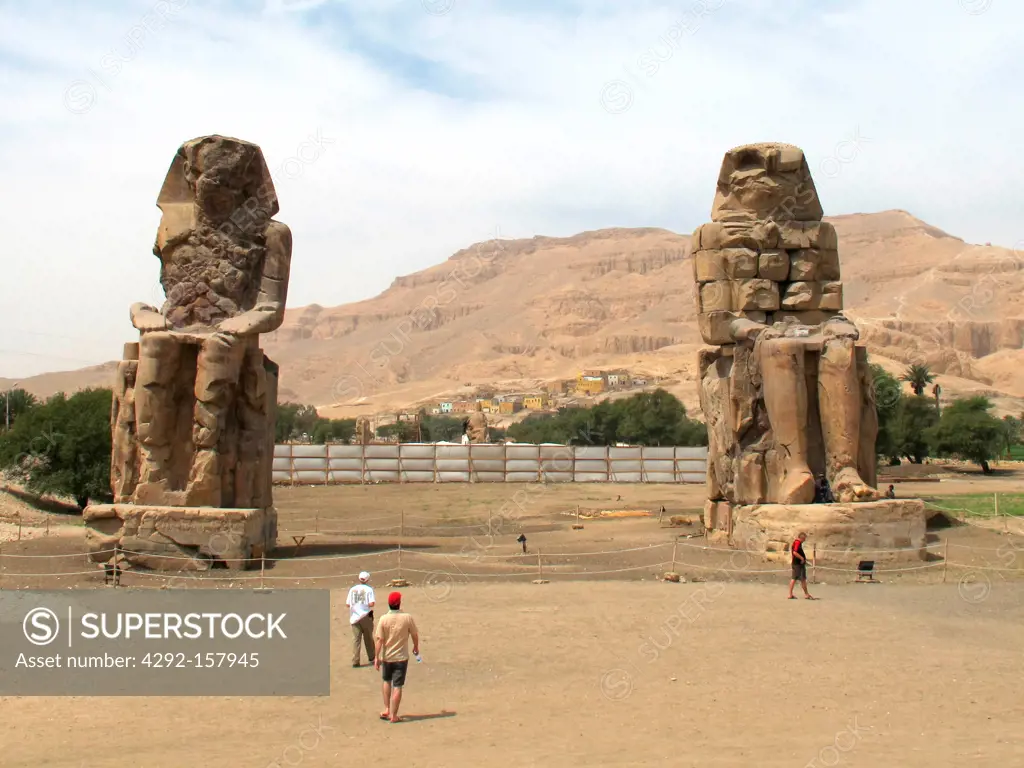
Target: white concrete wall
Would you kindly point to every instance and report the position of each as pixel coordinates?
(512, 463)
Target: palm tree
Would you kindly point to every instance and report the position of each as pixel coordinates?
(16, 401)
(919, 377)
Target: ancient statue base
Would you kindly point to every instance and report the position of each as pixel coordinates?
(886, 531)
(165, 538)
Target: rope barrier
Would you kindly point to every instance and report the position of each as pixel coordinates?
(680, 563)
(985, 568)
(346, 532)
(552, 554)
(69, 573)
(844, 551)
(73, 554)
(882, 570)
(289, 518)
(1019, 547)
(533, 571)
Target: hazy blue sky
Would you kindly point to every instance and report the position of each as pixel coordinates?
(399, 131)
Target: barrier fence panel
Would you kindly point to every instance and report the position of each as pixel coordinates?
(486, 463)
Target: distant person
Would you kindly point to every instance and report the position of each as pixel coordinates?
(823, 491)
(891, 493)
(799, 563)
(392, 645)
(522, 540)
(360, 606)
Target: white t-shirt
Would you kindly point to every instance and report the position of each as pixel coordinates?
(359, 598)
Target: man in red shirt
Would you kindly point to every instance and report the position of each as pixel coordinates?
(799, 563)
(392, 636)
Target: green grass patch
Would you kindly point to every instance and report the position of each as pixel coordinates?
(979, 504)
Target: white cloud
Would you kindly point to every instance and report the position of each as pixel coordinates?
(439, 127)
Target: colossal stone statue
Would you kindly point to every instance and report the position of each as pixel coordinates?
(195, 399)
(785, 389)
(770, 297)
(476, 427)
(364, 431)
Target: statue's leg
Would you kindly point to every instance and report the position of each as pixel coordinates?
(785, 396)
(252, 418)
(159, 359)
(839, 397)
(217, 372)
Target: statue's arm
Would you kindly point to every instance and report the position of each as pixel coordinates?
(147, 318)
(268, 314)
(839, 327)
(743, 329)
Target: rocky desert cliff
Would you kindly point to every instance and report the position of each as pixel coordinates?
(513, 314)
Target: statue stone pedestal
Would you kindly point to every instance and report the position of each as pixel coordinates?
(887, 531)
(166, 538)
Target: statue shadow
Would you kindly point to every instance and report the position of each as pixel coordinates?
(322, 548)
(43, 503)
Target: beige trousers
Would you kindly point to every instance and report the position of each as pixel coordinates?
(362, 631)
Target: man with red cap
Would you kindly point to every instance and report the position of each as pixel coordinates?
(392, 653)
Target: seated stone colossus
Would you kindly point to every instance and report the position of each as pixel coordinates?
(195, 398)
(785, 389)
(201, 397)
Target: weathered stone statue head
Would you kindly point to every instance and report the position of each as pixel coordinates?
(765, 182)
(217, 203)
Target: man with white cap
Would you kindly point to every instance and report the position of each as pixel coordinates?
(360, 606)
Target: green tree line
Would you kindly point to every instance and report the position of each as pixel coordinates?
(913, 427)
(646, 418)
(62, 446)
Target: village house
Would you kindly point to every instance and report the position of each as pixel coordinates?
(559, 387)
(509, 407)
(618, 379)
(535, 402)
(591, 383)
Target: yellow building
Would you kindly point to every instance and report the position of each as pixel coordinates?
(591, 383)
(509, 406)
(535, 402)
(487, 406)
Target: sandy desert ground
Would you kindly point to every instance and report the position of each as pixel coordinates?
(592, 668)
(609, 674)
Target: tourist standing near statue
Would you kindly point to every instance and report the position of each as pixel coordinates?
(392, 653)
(360, 605)
(799, 566)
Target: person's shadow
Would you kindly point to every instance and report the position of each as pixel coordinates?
(434, 716)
